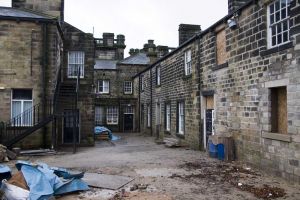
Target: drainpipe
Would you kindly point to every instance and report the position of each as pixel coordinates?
(44, 67)
(139, 105)
(199, 104)
(151, 116)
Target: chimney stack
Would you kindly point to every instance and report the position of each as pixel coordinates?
(187, 31)
(235, 4)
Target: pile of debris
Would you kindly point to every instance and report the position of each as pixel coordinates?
(233, 174)
(6, 155)
(38, 181)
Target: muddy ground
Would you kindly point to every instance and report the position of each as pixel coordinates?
(162, 173)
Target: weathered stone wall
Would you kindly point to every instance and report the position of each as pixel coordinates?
(76, 40)
(22, 65)
(242, 90)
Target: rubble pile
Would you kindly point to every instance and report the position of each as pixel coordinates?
(5, 154)
(235, 175)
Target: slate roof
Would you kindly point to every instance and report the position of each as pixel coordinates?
(105, 64)
(137, 59)
(7, 12)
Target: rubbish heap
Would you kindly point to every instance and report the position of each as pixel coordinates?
(38, 181)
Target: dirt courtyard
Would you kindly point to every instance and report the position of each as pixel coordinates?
(162, 173)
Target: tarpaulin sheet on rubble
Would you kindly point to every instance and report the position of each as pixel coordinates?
(101, 129)
(44, 183)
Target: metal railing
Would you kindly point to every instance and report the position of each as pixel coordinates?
(26, 120)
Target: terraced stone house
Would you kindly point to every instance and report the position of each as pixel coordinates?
(239, 77)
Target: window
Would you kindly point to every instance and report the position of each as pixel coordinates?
(75, 63)
(99, 115)
(127, 87)
(168, 117)
(278, 23)
(188, 62)
(142, 82)
(148, 116)
(279, 110)
(158, 114)
(158, 75)
(128, 109)
(180, 118)
(103, 86)
(221, 47)
(21, 111)
(112, 115)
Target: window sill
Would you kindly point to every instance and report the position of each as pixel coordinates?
(276, 49)
(157, 86)
(186, 77)
(221, 66)
(277, 136)
(180, 136)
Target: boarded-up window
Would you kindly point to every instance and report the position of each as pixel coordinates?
(221, 47)
(279, 110)
(210, 102)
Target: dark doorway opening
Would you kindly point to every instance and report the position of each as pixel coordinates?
(128, 122)
(69, 117)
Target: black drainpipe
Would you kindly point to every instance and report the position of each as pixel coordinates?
(139, 104)
(201, 146)
(44, 67)
(151, 116)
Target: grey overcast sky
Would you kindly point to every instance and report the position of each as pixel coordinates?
(140, 20)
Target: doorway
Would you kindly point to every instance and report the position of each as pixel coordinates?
(68, 126)
(128, 119)
(209, 116)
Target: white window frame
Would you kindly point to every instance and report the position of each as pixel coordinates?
(188, 62)
(148, 116)
(278, 23)
(158, 75)
(127, 87)
(181, 116)
(22, 113)
(105, 86)
(75, 61)
(112, 115)
(99, 115)
(168, 117)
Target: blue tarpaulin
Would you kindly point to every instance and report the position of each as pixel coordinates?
(44, 181)
(101, 129)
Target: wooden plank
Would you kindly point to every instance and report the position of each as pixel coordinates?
(210, 102)
(282, 110)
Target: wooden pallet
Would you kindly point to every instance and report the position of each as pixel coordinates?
(103, 136)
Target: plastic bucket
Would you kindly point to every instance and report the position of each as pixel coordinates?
(220, 150)
(213, 153)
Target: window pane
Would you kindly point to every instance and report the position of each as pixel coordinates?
(277, 5)
(274, 41)
(285, 25)
(27, 113)
(279, 30)
(22, 94)
(16, 108)
(279, 39)
(272, 19)
(272, 8)
(283, 13)
(285, 37)
(277, 16)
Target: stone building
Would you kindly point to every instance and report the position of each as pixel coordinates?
(43, 99)
(116, 102)
(239, 77)
(31, 56)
